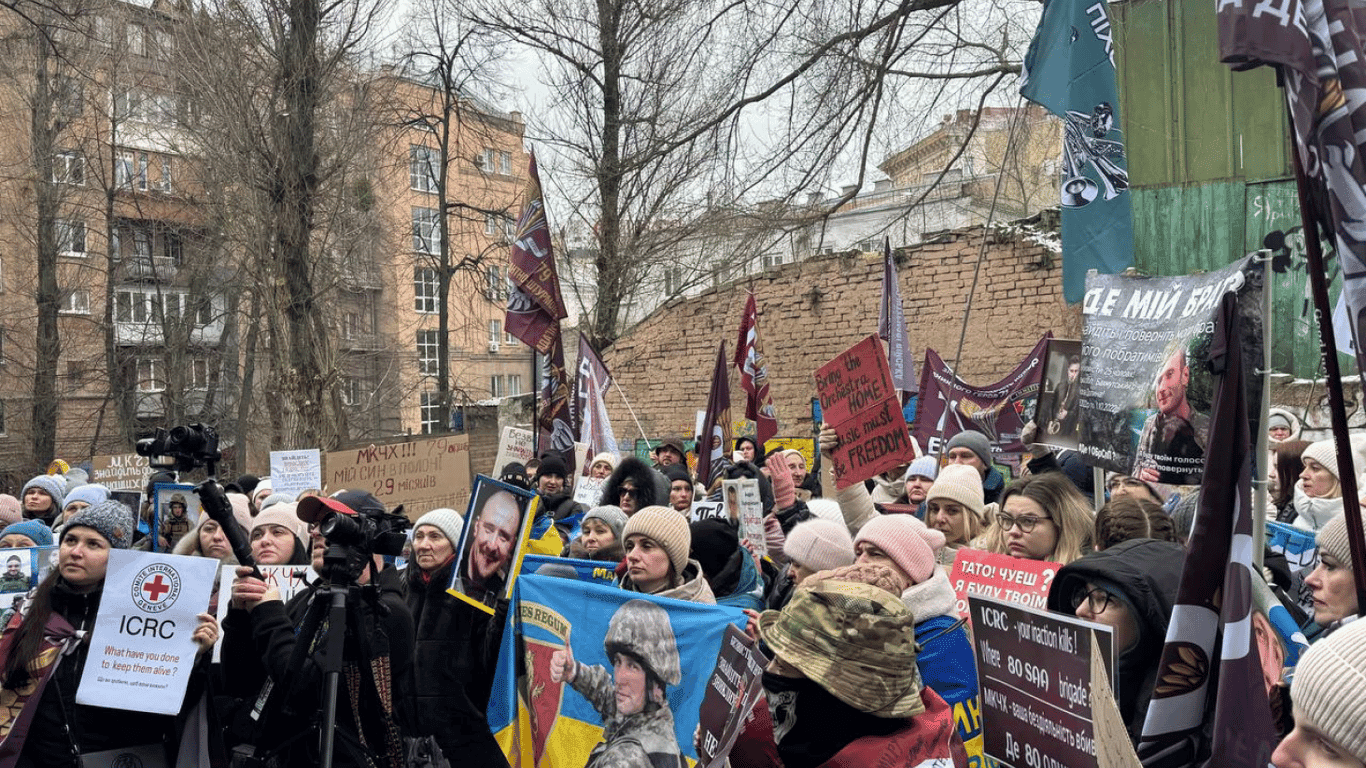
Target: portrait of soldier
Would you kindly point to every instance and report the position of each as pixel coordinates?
(1171, 447)
(175, 520)
(14, 579)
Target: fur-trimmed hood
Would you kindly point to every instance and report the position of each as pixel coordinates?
(651, 486)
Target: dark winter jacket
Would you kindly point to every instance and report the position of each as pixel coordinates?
(94, 729)
(259, 644)
(652, 488)
(1146, 573)
(455, 645)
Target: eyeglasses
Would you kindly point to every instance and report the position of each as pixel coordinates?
(627, 492)
(1097, 600)
(1026, 522)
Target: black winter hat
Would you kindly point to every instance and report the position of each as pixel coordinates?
(677, 472)
(552, 465)
(714, 542)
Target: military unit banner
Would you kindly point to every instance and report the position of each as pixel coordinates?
(1145, 398)
(593, 675)
(948, 405)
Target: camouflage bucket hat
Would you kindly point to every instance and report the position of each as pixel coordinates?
(855, 640)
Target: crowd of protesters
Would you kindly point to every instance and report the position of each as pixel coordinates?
(870, 662)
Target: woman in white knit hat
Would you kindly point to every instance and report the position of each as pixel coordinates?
(657, 541)
(954, 507)
(1329, 694)
(1318, 493)
(1331, 584)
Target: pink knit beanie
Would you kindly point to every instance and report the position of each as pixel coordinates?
(907, 541)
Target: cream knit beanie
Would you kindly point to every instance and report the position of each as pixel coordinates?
(667, 528)
(1332, 538)
(959, 483)
(819, 545)
(1329, 689)
(1324, 452)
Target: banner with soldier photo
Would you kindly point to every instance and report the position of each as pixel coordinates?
(1145, 395)
(948, 405)
(591, 674)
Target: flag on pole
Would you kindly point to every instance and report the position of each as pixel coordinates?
(555, 416)
(715, 438)
(753, 367)
(1070, 71)
(535, 305)
(595, 429)
(891, 328)
(1216, 599)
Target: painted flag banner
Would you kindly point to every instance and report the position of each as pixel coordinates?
(595, 428)
(1070, 71)
(714, 441)
(891, 327)
(753, 367)
(1216, 598)
(1145, 396)
(555, 414)
(563, 710)
(535, 306)
(595, 571)
(949, 405)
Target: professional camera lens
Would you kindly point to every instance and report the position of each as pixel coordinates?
(343, 530)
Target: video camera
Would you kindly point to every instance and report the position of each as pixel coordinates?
(182, 449)
(357, 522)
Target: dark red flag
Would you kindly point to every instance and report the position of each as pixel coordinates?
(535, 305)
(715, 438)
(753, 367)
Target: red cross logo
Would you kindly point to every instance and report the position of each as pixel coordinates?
(155, 588)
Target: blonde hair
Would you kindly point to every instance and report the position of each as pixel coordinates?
(1063, 502)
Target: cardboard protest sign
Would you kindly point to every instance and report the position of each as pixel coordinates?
(176, 512)
(123, 470)
(1010, 579)
(596, 571)
(1034, 668)
(572, 699)
(746, 507)
(948, 405)
(515, 445)
(492, 543)
(588, 492)
(732, 692)
(140, 651)
(705, 510)
(294, 472)
(288, 579)
(1145, 398)
(1057, 415)
(859, 402)
(422, 475)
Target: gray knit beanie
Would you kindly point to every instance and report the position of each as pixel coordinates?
(446, 520)
(973, 441)
(611, 516)
(1332, 538)
(54, 485)
(819, 545)
(1329, 689)
(667, 528)
(111, 519)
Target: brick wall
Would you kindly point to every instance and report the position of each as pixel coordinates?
(812, 310)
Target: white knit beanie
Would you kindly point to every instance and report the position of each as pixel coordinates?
(959, 483)
(1329, 689)
(1332, 538)
(820, 545)
(446, 520)
(1324, 452)
(826, 509)
(285, 515)
(665, 527)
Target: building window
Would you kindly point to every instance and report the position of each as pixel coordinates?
(137, 40)
(485, 160)
(514, 381)
(508, 338)
(496, 386)
(505, 163)
(199, 373)
(150, 375)
(773, 260)
(426, 290)
(428, 352)
(491, 221)
(172, 247)
(77, 373)
(426, 230)
(495, 284)
(350, 391)
(495, 334)
(165, 184)
(2, 417)
(71, 237)
(75, 301)
(70, 97)
(130, 171)
(68, 168)
(673, 281)
(430, 412)
(205, 311)
(165, 44)
(422, 168)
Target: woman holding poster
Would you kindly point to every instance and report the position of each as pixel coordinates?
(43, 650)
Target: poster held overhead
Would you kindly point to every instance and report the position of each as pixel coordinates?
(1057, 415)
(859, 401)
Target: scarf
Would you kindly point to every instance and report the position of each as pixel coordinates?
(59, 639)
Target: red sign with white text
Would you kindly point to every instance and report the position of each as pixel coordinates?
(1001, 577)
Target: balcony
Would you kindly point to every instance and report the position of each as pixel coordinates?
(144, 267)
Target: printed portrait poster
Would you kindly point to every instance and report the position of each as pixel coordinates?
(948, 405)
(1146, 388)
(565, 637)
(141, 653)
(176, 512)
(21, 569)
(497, 525)
(1057, 416)
(746, 508)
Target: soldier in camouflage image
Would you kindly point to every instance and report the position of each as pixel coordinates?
(637, 723)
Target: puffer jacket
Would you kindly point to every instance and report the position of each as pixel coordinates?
(1146, 572)
(456, 642)
(945, 660)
